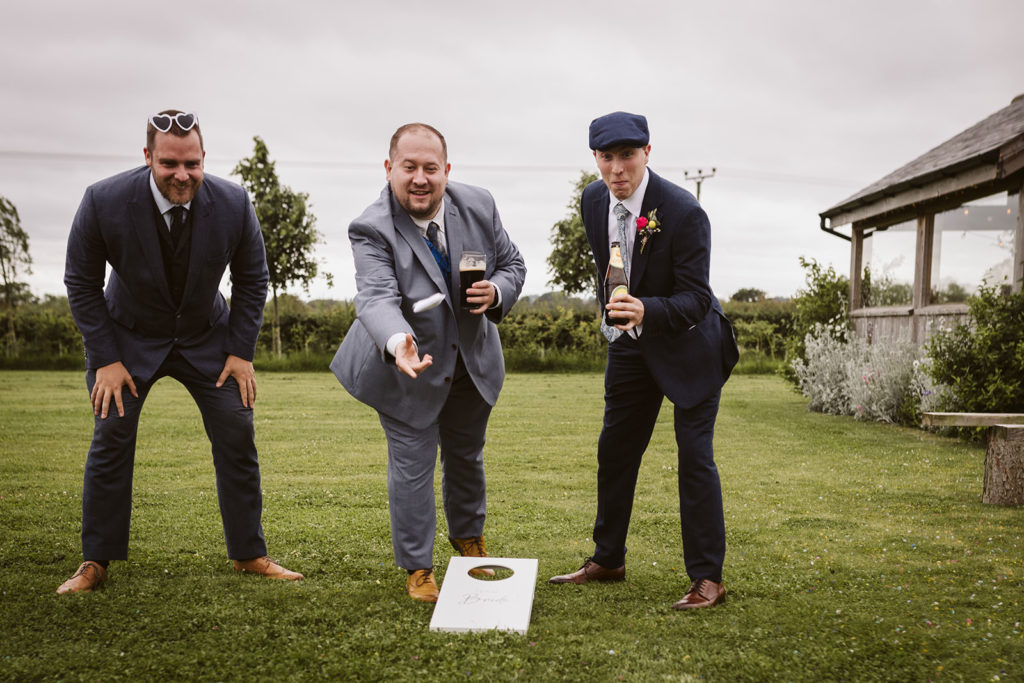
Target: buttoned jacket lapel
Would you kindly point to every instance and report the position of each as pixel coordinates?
(410, 232)
(638, 261)
(203, 225)
(599, 210)
(455, 229)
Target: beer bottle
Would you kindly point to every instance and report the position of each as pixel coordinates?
(615, 283)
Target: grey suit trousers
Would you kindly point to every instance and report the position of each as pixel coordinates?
(460, 430)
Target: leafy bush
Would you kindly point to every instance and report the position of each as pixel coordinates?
(761, 326)
(982, 361)
(885, 383)
(821, 373)
(825, 302)
(46, 336)
(844, 375)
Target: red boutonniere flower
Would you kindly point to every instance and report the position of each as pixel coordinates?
(646, 227)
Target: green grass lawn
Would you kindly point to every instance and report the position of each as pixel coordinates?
(856, 551)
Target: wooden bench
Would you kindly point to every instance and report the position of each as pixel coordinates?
(1004, 456)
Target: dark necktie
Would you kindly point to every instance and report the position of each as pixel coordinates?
(437, 249)
(178, 214)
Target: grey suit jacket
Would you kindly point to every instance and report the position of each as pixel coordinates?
(395, 269)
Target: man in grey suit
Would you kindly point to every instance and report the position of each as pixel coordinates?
(432, 373)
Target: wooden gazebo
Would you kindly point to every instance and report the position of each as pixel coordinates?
(986, 159)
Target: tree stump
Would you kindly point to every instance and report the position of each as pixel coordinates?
(1004, 466)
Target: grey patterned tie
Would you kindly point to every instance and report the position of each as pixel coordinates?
(612, 333)
(620, 220)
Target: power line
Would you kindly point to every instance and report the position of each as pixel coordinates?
(688, 172)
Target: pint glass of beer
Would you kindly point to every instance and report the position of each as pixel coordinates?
(471, 269)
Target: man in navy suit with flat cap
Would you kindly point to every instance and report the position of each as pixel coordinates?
(675, 342)
(168, 233)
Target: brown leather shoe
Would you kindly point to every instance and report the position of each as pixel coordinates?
(591, 571)
(264, 566)
(89, 575)
(472, 547)
(421, 586)
(702, 593)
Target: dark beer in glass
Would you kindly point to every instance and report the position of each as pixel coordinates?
(472, 265)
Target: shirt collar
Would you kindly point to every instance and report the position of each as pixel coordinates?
(634, 203)
(162, 202)
(424, 223)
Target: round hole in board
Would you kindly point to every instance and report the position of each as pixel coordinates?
(500, 573)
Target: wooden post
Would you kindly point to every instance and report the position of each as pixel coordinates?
(1018, 245)
(856, 268)
(1004, 466)
(923, 260)
(922, 274)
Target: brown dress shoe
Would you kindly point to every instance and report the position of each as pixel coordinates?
(472, 547)
(591, 571)
(89, 575)
(264, 566)
(421, 586)
(702, 593)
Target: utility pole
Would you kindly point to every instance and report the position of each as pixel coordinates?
(699, 177)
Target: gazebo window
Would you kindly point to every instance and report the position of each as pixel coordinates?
(888, 275)
(973, 243)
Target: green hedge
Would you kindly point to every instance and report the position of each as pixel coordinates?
(551, 332)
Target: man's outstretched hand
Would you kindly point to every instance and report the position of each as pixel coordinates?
(407, 357)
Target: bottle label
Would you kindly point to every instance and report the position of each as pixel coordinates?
(621, 289)
(615, 259)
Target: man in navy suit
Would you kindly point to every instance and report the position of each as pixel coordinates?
(675, 343)
(168, 233)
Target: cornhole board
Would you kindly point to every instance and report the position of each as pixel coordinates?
(468, 604)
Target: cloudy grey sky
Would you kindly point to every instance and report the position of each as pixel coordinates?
(796, 104)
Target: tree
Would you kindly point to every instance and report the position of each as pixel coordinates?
(288, 228)
(570, 262)
(749, 295)
(13, 257)
(825, 302)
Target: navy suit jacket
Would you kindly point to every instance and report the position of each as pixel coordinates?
(687, 342)
(135, 320)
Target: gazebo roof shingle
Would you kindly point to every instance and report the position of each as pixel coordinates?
(981, 144)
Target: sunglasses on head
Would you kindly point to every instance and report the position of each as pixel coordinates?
(163, 122)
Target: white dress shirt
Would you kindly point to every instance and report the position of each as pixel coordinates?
(633, 204)
(163, 203)
(424, 223)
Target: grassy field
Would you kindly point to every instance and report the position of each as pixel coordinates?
(856, 551)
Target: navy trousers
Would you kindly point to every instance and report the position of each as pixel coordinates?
(107, 491)
(632, 402)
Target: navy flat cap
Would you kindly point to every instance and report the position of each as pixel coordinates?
(619, 128)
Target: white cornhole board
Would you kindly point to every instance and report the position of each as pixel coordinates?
(468, 604)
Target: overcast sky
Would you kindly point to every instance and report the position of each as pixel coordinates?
(796, 104)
